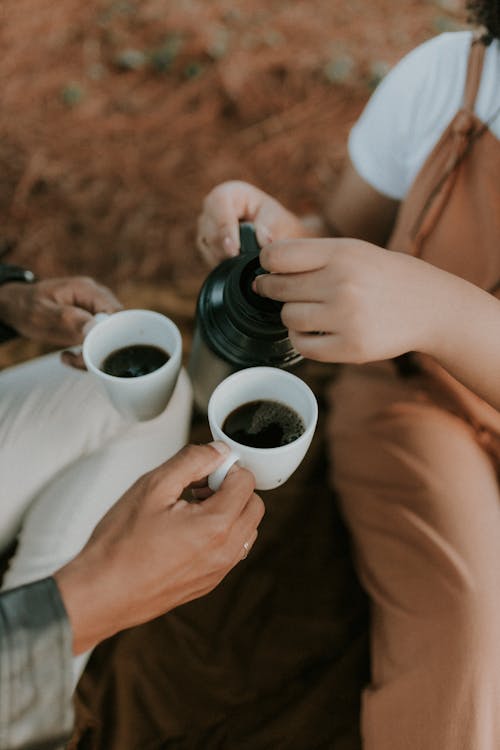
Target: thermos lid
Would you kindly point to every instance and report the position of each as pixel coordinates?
(242, 327)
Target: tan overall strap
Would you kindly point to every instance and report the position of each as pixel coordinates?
(474, 71)
(465, 129)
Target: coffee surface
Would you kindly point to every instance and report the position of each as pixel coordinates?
(134, 361)
(263, 424)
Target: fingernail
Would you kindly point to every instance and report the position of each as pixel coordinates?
(229, 245)
(254, 287)
(221, 447)
(74, 351)
(265, 235)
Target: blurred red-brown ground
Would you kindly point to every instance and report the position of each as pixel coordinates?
(117, 117)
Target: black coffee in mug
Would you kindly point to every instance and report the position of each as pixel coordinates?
(134, 360)
(264, 424)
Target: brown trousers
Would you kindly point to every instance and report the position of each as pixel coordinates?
(420, 495)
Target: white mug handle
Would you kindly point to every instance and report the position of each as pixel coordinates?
(98, 318)
(216, 478)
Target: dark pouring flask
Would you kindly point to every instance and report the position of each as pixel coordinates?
(236, 328)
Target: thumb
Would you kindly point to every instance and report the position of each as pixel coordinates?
(190, 464)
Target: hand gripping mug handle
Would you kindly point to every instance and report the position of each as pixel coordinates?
(216, 478)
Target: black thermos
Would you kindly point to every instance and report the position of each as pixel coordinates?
(236, 328)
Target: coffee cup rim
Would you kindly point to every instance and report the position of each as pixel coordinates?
(171, 362)
(263, 370)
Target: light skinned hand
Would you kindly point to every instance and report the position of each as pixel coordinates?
(350, 301)
(154, 551)
(234, 201)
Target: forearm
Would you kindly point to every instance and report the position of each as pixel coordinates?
(88, 602)
(466, 338)
(6, 330)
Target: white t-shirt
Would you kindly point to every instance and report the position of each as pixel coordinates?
(414, 104)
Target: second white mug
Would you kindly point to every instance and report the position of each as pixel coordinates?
(271, 467)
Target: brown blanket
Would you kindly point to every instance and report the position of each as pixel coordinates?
(273, 659)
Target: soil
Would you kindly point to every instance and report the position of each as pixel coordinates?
(117, 117)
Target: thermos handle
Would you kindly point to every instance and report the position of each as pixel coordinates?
(216, 478)
(250, 246)
(248, 238)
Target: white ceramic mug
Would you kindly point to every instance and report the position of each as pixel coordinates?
(270, 466)
(146, 396)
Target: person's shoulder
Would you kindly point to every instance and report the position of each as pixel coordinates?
(434, 71)
(431, 79)
(453, 42)
(425, 88)
(408, 111)
(437, 58)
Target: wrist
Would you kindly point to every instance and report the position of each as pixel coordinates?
(79, 583)
(10, 276)
(445, 307)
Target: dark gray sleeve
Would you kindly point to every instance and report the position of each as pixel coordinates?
(36, 683)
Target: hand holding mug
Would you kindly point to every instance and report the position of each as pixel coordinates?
(190, 547)
(54, 311)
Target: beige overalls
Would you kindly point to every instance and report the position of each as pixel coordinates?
(415, 459)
